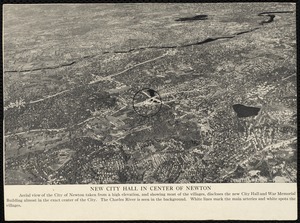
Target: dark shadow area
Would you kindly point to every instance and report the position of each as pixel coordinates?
(151, 92)
(194, 18)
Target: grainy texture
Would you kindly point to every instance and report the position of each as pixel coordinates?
(71, 72)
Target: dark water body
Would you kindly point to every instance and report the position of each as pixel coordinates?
(271, 19)
(248, 31)
(271, 15)
(243, 111)
(267, 13)
(194, 18)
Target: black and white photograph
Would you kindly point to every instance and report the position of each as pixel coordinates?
(150, 93)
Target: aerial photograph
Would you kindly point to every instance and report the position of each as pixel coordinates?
(150, 93)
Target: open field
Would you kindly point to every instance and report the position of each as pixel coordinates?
(71, 73)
